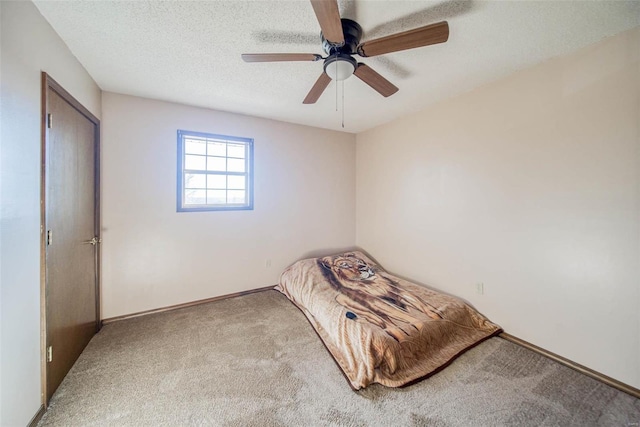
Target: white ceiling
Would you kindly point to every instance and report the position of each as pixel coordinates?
(189, 52)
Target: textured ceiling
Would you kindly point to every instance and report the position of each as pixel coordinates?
(189, 52)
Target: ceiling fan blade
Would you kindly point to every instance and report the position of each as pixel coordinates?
(317, 89)
(329, 18)
(383, 86)
(276, 57)
(423, 36)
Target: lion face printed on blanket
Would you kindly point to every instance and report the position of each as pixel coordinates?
(373, 297)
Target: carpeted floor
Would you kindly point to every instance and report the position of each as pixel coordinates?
(255, 361)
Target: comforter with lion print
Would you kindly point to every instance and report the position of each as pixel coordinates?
(380, 328)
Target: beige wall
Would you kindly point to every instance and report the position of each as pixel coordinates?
(530, 185)
(28, 46)
(155, 257)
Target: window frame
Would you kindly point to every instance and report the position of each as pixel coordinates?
(180, 189)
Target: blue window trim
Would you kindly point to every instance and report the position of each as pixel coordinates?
(180, 172)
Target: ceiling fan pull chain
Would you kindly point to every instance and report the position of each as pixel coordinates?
(336, 86)
(343, 104)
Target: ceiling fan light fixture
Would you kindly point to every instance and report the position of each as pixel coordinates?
(340, 66)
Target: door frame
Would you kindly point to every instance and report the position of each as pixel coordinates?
(49, 83)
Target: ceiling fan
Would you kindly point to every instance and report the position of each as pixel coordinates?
(341, 40)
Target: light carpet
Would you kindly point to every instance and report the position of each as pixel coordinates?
(255, 361)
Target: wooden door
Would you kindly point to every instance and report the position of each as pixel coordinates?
(70, 234)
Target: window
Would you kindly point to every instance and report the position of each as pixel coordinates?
(215, 172)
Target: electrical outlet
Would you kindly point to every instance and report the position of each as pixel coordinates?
(267, 263)
(480, 288)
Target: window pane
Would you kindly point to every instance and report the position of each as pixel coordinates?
(216, 197)
(195, 180)
(216, 164)
(235, 165)
(217, 181)
(194, 162)
(195, 146)
(217, 149)
(195, 197)
(235, 196)
(235, 182)
(216, 172)
(235, 150)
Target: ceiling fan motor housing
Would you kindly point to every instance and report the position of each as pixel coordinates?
(352, 34)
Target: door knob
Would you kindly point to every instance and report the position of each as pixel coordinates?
(93, 241)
